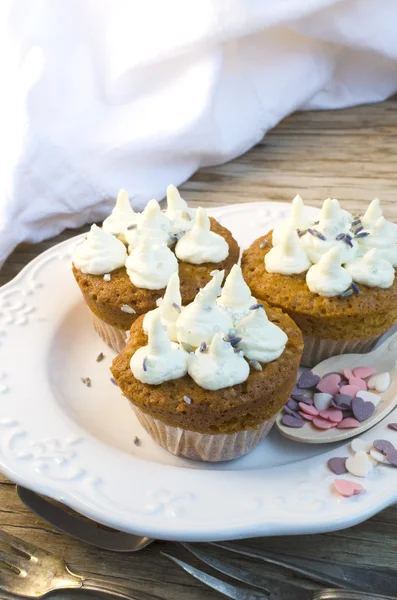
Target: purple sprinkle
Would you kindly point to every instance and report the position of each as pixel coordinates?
(359, 229)
(299, 397)
(297, 392)
(356, 222)
(234, 341)
(305, 400)
(292, 404)
(362, 234)
(391, 457)
(177, 307)
(293, 413)
(347, 414)
(291, 421)
(301, 232)
(346, 294)
(349, 237)
(355, 288)
(263, 244)
(255, 306)
(337, 465)
(144, 364)
(308, 380)
(203, 347)
(133, 226)
(340, 236)
(316, 233)
(187, 399)
(348, 241)
(362, 410)
(383, 446)
(342, 401)
(392, 426)
(112, 379)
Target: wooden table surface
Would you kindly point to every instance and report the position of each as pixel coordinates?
(350, 155)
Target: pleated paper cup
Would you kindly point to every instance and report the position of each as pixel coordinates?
(317, 349)
(114, 337)
(203, 446)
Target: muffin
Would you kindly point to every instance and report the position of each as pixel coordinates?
(209, 388)
(334, 277)
(122, 269)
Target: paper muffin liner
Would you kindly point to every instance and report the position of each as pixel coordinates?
(317, 349)
(203, 446)
(112, 336)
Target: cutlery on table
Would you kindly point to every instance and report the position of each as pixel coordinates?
(271, 588)
(85, 531)
(35, 572)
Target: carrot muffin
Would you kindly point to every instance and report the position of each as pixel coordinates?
(123, 268)
(335, 277)
(209, 385)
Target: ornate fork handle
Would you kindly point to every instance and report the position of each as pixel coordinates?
(112, 588)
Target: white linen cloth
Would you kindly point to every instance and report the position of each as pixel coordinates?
(102, 94)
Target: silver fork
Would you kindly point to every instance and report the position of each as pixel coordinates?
(29, 571)
(273, 588)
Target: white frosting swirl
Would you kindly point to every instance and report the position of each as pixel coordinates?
(161, 360)
(121, 216)
(371, 270)
(316, 247)
(169, 309)
(180, 215)
(152, 224)
(296, 220)
(262, 340)
(236, 296)
(151, 264)
(219, 366)
(288, 257)
(201, 319)
(328, 277)
(332, 219)
(101, 252)
(372, 214)
(382, 236)
(200, 244)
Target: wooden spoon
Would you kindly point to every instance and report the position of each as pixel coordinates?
(383, 359)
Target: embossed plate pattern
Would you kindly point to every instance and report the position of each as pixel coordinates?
(75, 443)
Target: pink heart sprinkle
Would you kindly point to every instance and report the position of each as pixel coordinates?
(360, 383)
(349, 390)
(306, 416)
(329, 384)
(347, 488)
(308, 409)
(322, 423)
(363, 372)
(332, 414)
(348, 373)
(348, 423)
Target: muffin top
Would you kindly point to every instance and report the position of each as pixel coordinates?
(339, 265)
(218, 358)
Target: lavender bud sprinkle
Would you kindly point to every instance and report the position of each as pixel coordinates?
(362, 234)
(187, 399)
(144, 364)
(340, 236)
(177, 307)
(263, 244)
(255, 306)
(355, 288)
(346, 294)
(255, 364)
(203, 347)
(317, 234)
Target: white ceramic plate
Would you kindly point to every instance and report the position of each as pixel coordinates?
(75, 444)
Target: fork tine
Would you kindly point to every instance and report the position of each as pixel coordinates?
(230, 591)
(20, 545)
(13, 560)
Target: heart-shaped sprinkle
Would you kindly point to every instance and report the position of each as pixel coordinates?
(347, 414)
(359, 464)
(392, 458)
(337, 465)
(362, 410)
(369, 397)
(306, 416)
(322, 400)
(291, 421)
(363, 372)
(332, 414)
(293, 404)
(348, 423)
(359, 445)
(383, 446)
(357, 382)
(307, 380)
(379, 383)
(304, 399)
(348, 488)
(322, 423)
(309, 410)
(349, 390)
(338, 375)
(378, 456)
(288, 411)
(342, 401)
(297, 392)
(329, 384)
(348, 373)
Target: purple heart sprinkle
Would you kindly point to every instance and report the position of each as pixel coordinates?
(342, 401)
(305, 400)
(288, 411)
(362, 410)
(392, 457)
(308, 380)
(383, 446)
(347, 414)
(290, 421)
(392, 426)
(337, 465)
(292, 404)
(297, 392)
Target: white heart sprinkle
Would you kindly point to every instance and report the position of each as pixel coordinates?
(380, 382)
(378, 456)
(322, 400)
(359, 445)
(369, 397)
(359, 464)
